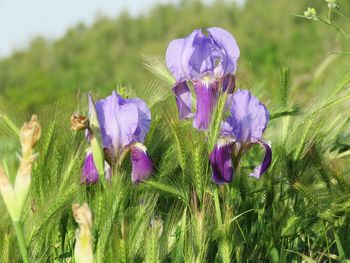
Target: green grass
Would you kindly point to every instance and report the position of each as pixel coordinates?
(298, 210)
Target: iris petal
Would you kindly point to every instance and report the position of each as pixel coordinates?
(248, 118)
(229, 83)
(183, 100)
(89, 172)
(141, 163)
(260, 169)
(207, 96)
(221, 163)
(228, 43)
(173, 58)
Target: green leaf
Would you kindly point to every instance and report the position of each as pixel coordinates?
(96, 140)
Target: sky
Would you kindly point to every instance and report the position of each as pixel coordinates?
(22, 20)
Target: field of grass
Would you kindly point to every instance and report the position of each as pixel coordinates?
(298, 211)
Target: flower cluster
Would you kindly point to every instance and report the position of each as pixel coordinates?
(208, 62)
(204, 61)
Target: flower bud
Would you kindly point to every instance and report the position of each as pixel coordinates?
(95, 138)
(157, 226)
(29, 136)
(79, 122)
(332, 3)
(310, 13)
(23, 180)
(9, 197)
(83, 246)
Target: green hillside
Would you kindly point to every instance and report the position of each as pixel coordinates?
(110, 51)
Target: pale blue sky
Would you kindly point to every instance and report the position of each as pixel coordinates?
(21, 20)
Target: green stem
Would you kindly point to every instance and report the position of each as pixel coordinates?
(21, 243)
(217, 207)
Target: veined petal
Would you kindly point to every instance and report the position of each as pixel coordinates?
(260, 169)
(183, 100)
(141, 163)
(89, 171)
(207, 95)
(221, 163)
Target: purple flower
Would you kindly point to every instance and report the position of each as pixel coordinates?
(242, 129)
(123, 124)
(208, 62)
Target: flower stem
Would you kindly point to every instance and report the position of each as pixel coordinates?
(21, 243)
(217, 207)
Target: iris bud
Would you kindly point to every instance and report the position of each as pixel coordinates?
(83, 246)
(29, 135)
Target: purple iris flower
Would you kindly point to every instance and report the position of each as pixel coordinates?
(208, 61)
(242, 129)
(124, 124)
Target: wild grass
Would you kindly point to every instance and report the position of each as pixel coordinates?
(298, 210)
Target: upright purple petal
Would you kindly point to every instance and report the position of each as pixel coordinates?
(248, 118)
(141, 163)
(144, 119)
(205, 58)
(198, 55)
(229, 45)
(206, 96)
(221, 163)
(122, 121)
(89, 172)
(183, 100)
(173, 59)
(260, 169)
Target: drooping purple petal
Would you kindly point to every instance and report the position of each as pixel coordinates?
(207, 96)
(248, 118)
(141, 163)
(183, 100)
(89, 172)
(229, 83)
(229, 45)
(221, 163)
(122, 121)
(260, 169)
